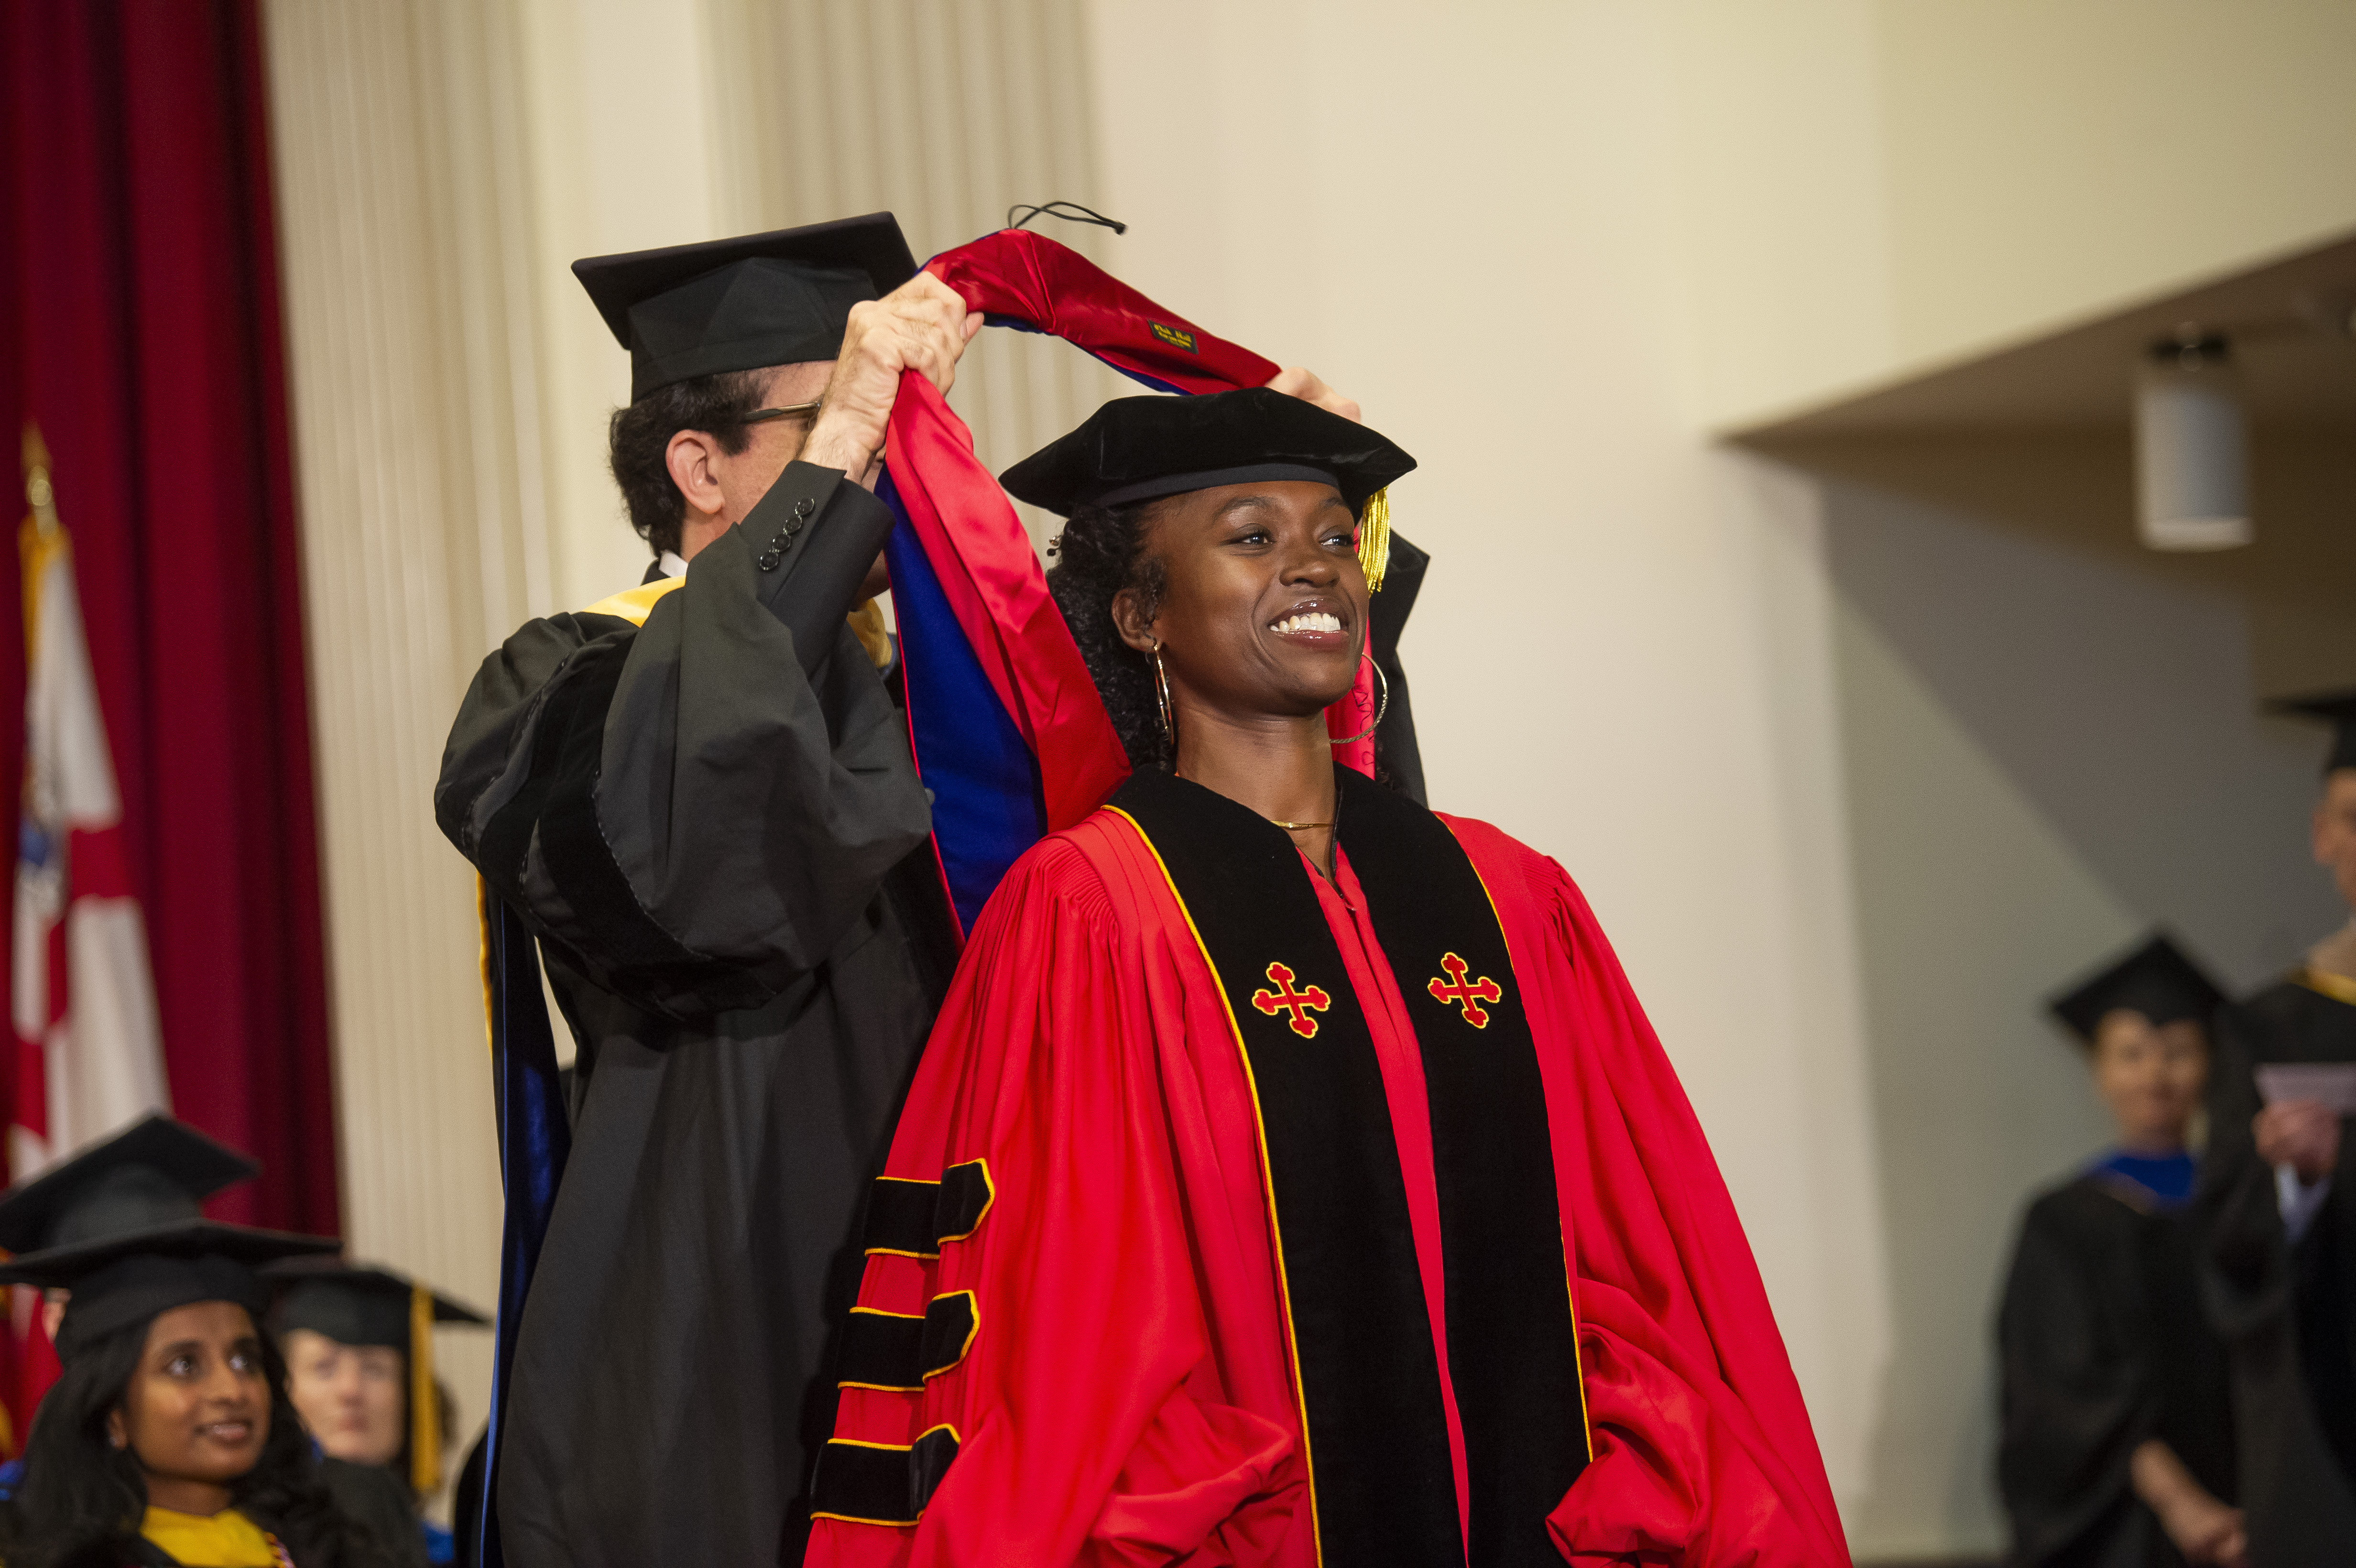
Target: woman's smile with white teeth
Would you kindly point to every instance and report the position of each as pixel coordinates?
(1315, 622)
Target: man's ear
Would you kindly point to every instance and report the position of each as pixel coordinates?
(692, 459)
(1131, 619)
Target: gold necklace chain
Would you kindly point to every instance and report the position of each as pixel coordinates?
(1297, 826)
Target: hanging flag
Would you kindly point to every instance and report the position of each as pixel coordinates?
(1007, 729)
(89, 1055)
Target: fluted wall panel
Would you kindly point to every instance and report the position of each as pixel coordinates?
(450, 385)
(946, 112)
(407, 296)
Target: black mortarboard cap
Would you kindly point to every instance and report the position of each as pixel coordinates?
(154, 1172)
(1135, 449)
(2156, 980)
(779, 298)
(354, 1304)
(118, 1281)
(2337, 709)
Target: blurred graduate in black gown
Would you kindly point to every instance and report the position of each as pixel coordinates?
(2117, 1448)
(358, 1345)
(2278, 1212)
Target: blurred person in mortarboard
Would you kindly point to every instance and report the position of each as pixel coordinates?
(156, 1172)
(697, 796)
(358, 1343)
(169, 1438)
(1231, 1214)
(2117, 1443)
(2278, 1203)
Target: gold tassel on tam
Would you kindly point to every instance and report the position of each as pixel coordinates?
(424, 1407)
(866, 620)
(1374, 538)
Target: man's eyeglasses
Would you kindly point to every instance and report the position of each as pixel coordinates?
(763, 416)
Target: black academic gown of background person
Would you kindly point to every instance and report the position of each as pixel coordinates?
(2288, 1312)
(2103, 1347)
(713, 823)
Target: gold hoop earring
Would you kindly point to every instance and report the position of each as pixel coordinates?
(1381, 707)
(1161, 692)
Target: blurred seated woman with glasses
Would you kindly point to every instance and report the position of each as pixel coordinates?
(2117, 1446)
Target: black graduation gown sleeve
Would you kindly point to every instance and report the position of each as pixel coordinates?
(372, 1498)
(2283, 1311)
(466, 1503)
(713, 824)
(697, 809)
(2076, 1400)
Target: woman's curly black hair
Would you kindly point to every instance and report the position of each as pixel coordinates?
(81, 1500)
(1101, 552)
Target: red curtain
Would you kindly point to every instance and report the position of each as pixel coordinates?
(139, 327)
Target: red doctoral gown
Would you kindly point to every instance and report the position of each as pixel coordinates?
(1106, 1371)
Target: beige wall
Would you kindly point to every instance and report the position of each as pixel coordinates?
(1869, 187)
(425, 534)
(2047, 747)
(1821, 742)
(661, 121)
(440, 165)
(2045, 161)
(1855, 769)
(1622, 652)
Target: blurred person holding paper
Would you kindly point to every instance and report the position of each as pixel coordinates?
(2279, 1207)
(358, 1345)
(2117, 1443)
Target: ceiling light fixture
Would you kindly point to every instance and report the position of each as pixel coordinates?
(2192, 445)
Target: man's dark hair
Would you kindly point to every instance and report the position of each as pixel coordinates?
(81, 1499)
(639, 435)
(1102, 551)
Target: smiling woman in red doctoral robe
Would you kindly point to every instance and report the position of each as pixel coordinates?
(1292, 1177)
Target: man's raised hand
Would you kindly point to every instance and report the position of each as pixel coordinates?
(921, 325)
(1295, 382)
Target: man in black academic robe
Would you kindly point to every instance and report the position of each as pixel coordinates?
(2279, 1205)
(699, 796)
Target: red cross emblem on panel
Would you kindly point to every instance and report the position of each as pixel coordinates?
(1284, 998)
(1470, 998)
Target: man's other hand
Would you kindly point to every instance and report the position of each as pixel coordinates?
(1295, 382)
(2300, 1133)
(921, 325)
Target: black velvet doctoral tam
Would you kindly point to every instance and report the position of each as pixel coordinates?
(1134, 449)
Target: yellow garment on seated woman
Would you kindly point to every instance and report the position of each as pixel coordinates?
(225, 1540)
